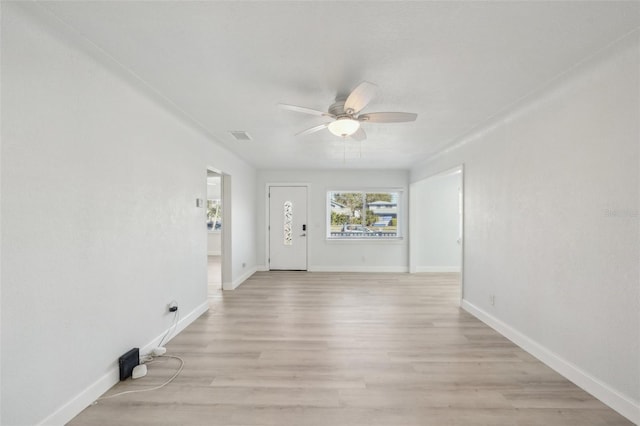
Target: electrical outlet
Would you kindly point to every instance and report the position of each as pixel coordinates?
(492, 299)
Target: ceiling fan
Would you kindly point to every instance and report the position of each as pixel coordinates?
(346, 117)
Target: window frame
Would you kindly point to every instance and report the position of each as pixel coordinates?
(400, 214)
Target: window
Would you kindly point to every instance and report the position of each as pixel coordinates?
(363, 215)
(214, 215)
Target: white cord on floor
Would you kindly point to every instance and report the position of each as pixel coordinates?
(150, 389)
(174, 326)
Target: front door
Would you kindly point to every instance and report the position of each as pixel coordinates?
(288, 228)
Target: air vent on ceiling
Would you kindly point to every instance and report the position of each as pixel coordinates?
(240, 135)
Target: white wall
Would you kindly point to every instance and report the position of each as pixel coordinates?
(214, 243)
(240, 202)
(435, 224)
(214, 187)
(551, 224)
(99, 224)
(334, 255)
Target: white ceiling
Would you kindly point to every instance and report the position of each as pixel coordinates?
(456, 64)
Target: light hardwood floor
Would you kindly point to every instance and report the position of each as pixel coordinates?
(214, 274)
(296, 348)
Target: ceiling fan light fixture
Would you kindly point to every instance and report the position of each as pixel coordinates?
(346, 114)
(344, 126)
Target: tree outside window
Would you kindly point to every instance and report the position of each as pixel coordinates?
(214, 215)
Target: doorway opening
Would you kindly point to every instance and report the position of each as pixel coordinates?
(215, 225)
(436, 245)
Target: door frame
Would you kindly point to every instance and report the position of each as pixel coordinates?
(413, 218)
(267, 215)
(225, 232)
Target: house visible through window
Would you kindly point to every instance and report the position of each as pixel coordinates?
(360, 215)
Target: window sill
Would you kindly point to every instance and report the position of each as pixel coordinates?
(392, 240)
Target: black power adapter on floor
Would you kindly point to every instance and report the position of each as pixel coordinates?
(127, 363)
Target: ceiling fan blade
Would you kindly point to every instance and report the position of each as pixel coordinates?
(388, 117)
(359, 135)
(360, 97)
(312, 129)
(304, 110)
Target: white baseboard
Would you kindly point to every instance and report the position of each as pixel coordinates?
(235, 283)
(81, 401)
(397, 269)
(614, 399)
(85, 398)
(437, 269)
(182, 324)
(214, 253)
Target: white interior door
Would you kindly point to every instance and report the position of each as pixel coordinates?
(288, 228)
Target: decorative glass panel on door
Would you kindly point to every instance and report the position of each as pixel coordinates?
(288, 221)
